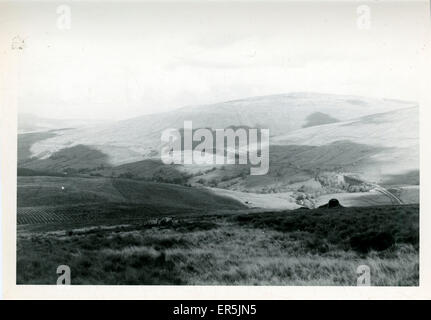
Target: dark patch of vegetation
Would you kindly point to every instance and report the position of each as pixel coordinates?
(319, 118)
(366, 241)
(25, 172)
(76, 159)
(333, 203)
(361, 229)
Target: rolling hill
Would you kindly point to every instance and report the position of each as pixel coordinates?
(44, 191)
(393, 135)
(139, 138)
(319, 145)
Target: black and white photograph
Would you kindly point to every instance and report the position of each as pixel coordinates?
(217, 143)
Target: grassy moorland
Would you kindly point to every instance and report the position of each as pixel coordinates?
(105, 193)
(300, 247)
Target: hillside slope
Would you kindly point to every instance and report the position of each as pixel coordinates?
(139, 138)
(59, 191)
(393, 135)
(319, 145)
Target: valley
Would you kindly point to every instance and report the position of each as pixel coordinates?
(98, 197)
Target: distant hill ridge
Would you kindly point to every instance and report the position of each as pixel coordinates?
(138, 138)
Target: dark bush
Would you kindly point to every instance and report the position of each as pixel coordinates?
(367, 241)
(333, 203)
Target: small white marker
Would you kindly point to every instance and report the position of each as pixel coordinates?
(62, 188)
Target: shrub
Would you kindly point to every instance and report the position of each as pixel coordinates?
(367, 241)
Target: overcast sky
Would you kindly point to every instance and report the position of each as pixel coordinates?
(119, 61)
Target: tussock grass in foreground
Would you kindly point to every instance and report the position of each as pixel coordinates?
(296, 248)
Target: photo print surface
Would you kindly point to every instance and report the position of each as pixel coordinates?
(215, 143)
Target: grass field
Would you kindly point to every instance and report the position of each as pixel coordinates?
(68, 192)
(299, 247)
